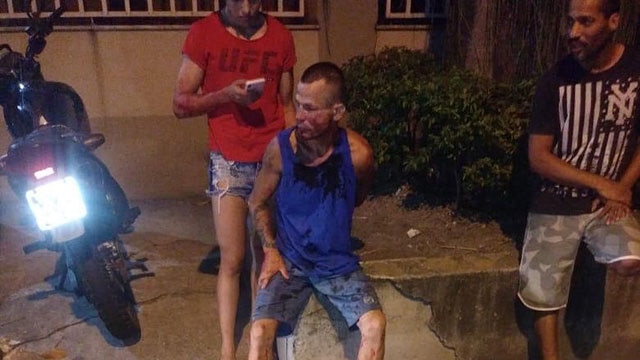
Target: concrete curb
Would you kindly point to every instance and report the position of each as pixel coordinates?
(437, 308)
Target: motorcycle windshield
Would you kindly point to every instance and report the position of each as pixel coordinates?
(36, 102)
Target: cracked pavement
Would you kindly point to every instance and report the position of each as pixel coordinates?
(177, 307)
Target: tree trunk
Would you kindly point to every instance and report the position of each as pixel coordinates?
(509, 40)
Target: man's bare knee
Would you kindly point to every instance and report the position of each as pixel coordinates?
(372, 328)
(627, 267)
(263, 333)
(372, 325)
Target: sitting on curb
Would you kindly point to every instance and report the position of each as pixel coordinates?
(318, 172)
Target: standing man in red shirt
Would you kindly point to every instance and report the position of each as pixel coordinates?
(220, 54)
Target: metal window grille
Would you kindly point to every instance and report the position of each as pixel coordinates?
(14, 9)
(412, 11)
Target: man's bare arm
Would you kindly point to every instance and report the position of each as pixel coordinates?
(614, 211)
(363, 164)
(285, 91)
(189, 102)
(265, 186)
(548, 165)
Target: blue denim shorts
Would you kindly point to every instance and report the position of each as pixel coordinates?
(231, 177)
(284, 300)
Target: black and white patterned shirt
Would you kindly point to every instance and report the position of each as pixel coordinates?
(594, 120)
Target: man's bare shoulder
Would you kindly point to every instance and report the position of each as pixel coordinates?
(357, 140)
(272, 158)
(361, 151)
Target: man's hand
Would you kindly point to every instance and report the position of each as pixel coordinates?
(238, 93)
(612, 211)
(615, 191)
(272, 264)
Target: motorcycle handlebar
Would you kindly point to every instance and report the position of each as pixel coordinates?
(57, 13)
(39, 30)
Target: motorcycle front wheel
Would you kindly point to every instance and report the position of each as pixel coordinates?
(110, 294)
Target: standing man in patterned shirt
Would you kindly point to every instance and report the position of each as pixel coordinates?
(583, 142)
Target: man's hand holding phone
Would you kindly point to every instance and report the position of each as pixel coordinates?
(255, 86)
(245, 92)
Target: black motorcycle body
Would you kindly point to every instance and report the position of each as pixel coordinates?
(77, 205)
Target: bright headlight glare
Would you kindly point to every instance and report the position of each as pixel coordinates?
(56, 203)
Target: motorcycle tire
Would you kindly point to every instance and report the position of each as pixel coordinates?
(111, 296)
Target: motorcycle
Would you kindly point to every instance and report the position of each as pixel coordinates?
(77, 205)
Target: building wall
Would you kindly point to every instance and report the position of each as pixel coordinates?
(127, 78)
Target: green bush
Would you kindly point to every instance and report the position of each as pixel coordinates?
(448, 133)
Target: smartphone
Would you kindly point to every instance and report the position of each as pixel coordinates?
(255, 85)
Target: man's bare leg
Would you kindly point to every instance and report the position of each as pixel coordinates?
(284, 344)
(546, 326)
(229, 216)
(263, 333)
(372, 329)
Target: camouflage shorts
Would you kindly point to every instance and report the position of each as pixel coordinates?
(550, 246)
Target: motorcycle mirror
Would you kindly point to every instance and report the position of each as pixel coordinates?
(93, 141)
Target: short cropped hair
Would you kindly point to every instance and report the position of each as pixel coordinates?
(331, 74)
(610, 7)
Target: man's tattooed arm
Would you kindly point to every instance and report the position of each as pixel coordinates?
(261, 210)
(262, 219)
(265, 186)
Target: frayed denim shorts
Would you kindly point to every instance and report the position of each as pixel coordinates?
(231, 177)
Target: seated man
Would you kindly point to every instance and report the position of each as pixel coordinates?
(318, 172)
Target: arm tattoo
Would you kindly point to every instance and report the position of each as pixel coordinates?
(264, 226)
(271, 244)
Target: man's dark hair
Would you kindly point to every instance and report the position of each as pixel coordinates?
(610, 7)
(331, 73)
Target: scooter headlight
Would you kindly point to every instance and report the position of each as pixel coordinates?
(56, 203)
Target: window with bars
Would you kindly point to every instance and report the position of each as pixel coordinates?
(140, 12)
(411, 12)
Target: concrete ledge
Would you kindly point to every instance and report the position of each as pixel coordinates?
(443, 308)
(474, 314)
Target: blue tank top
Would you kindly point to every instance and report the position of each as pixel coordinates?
(315, 208)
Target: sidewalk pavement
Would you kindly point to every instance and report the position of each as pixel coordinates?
(177, 307)
(467, 311)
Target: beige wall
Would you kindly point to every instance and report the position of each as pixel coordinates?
(413, 38)
(126, 79)
(348, 29)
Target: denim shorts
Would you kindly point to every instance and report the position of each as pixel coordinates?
(550, 246)
(231, 177)
(284, 300)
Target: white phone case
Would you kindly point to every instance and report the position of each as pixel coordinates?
(255, 85)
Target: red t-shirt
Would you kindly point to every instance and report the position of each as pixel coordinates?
(242, 133)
